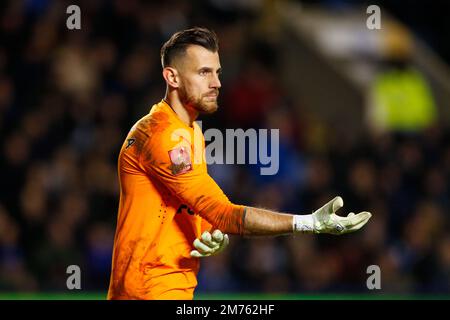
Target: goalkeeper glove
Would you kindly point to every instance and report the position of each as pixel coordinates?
(324, 220)
(209, 245)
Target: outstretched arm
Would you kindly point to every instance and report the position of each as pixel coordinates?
(323, 220)
(260, 222)
(199, 191)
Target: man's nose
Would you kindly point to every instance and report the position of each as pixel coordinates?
(215, 82)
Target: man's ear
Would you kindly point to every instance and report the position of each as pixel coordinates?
(171, 76)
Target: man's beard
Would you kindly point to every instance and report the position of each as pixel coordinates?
(198, 104)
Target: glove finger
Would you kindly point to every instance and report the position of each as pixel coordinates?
(354, 220)
(333, 205)
(326, 212)
(338, 203)
(361, 221)
(217, 236)
(225, 243)
(206, 236)
(355, 227)
(206, 239)
(201, 247)
(196, 254)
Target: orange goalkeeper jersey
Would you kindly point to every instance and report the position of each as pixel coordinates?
(167, 199)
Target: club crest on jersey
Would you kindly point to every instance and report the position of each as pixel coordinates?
(130, 142)
(181, 160)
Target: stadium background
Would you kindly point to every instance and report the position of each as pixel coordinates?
(310, 68)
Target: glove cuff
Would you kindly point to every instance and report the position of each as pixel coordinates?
(303, 223)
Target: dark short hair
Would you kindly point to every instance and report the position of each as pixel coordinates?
(178, 43)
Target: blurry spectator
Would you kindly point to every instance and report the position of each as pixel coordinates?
(442, 275)
(13, 272)
(421, 232)
(401, 99)
(208, 279)
(99, 245)
(253, 93)
(75, 73)
(267, 259)
(16, 150)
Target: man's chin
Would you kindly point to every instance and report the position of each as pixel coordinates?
(209, 108)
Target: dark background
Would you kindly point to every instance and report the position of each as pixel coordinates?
(68, 99)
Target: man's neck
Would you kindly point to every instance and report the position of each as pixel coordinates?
(186, 114)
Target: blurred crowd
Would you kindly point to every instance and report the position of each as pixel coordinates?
(69, 97)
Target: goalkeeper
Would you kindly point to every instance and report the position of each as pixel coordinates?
(167, 199)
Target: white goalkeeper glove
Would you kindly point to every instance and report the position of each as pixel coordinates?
(209, 245)
(324, 220)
